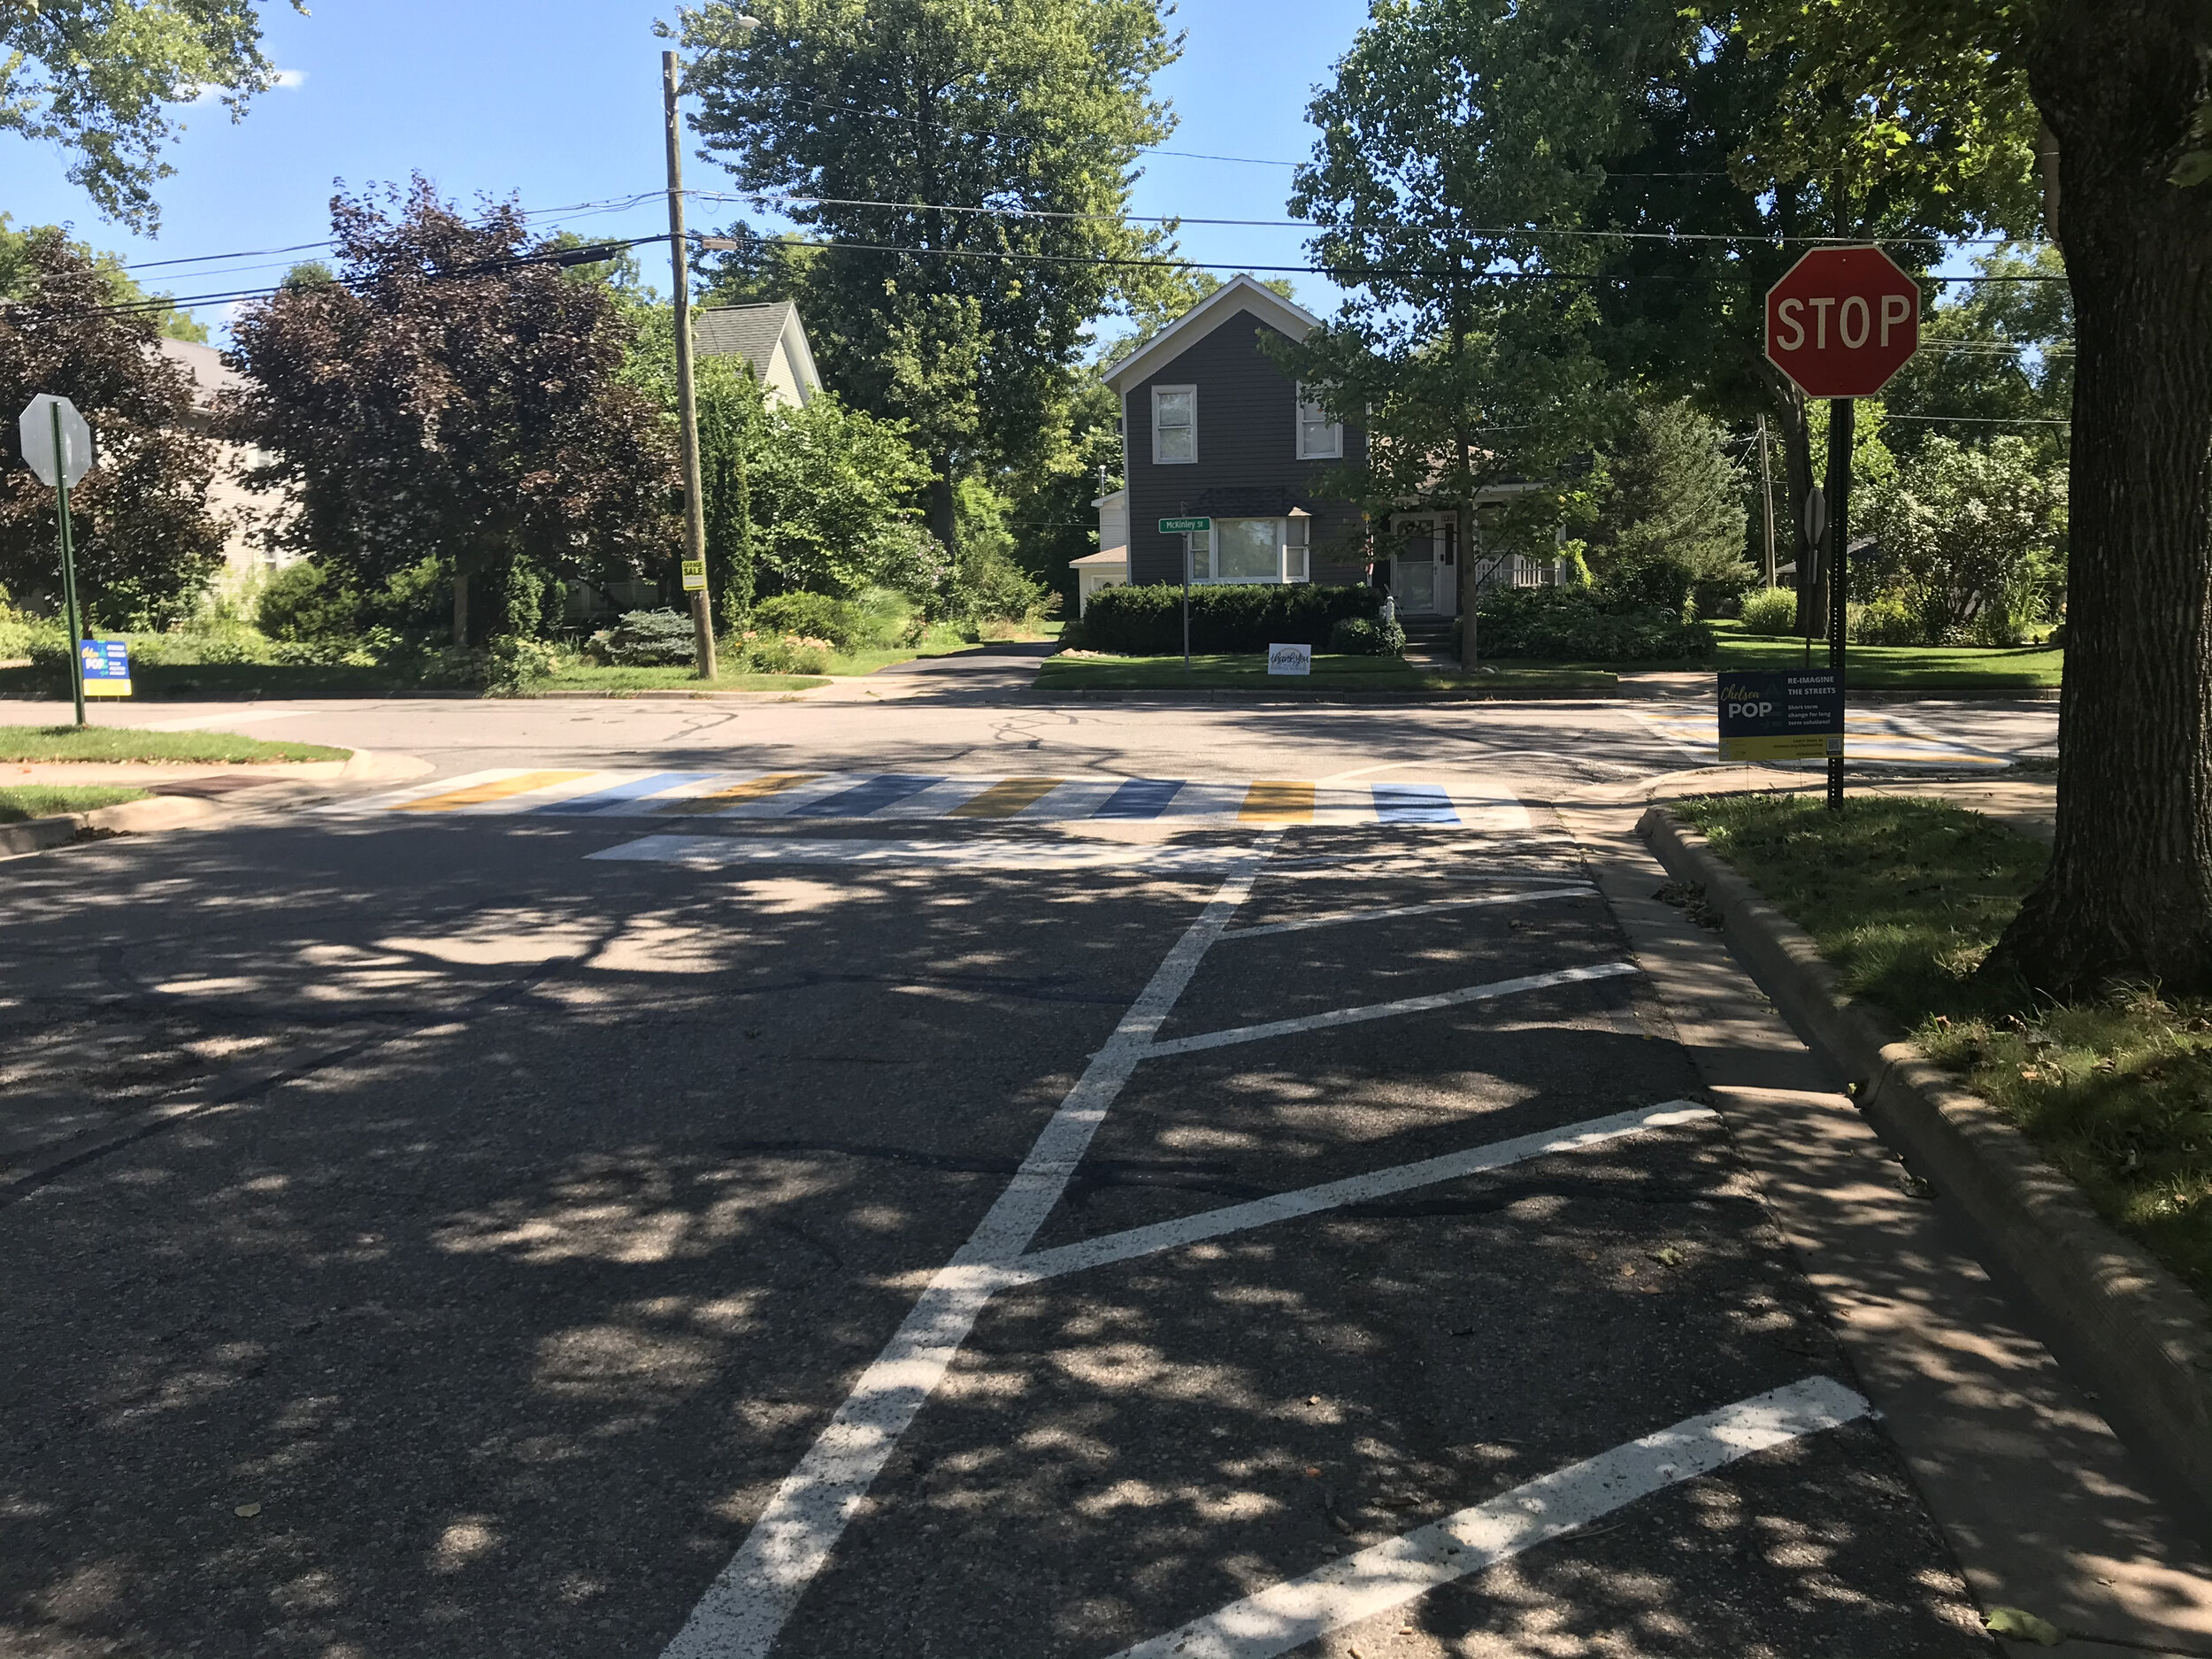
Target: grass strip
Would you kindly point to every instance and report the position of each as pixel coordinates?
(41, 800)
(124, 743)
(1247, 671)
(673, 679)
(1905, 898)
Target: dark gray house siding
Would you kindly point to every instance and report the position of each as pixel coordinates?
(1248, 463)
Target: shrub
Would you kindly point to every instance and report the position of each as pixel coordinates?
(650, 638)
(1888, 621)
(1358, 636)
(305, 601)
(841, 622)
(1771, 612)
(1564, 622)
(1147, 621)
(785, 654)
(512, 665)
(1654, 581)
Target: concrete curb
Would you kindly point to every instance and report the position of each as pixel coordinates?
(2143, 1338)
(1584, 693)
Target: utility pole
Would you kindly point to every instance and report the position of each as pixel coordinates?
(1766, 497)
(695, 562)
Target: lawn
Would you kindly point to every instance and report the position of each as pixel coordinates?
(123, 742)
(1901, 667)
(1905, 898)
(28, 801)
(1248, 671)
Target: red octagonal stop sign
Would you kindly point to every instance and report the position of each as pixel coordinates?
(1842, 321)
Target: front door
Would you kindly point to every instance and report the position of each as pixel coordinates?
(1417, 571)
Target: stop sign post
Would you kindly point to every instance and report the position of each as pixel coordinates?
(1841, 323)
(57, 447)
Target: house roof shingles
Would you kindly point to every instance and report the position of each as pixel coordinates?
(743, 331)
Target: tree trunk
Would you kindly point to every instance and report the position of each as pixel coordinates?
(2128, 894)
(1794, 425)
(460, 609)
(943, 523)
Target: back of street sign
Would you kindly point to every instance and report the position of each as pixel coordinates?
(36, 429)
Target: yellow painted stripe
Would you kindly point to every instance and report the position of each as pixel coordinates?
(498, 790)
(1277, 801)
(738, 793)
(1007, 797)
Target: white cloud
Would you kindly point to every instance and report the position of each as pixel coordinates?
(290, 80)
(291, 77)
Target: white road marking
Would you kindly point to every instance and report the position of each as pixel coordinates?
(717, 852)
(1389, 1010)
(1336, 917)
(1356, 1189)
(749, 1601)
(207, 722)
(1291, 1614)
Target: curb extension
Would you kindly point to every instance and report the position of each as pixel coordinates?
(2142, 1337)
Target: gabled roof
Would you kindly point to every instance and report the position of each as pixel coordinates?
(1238, 293)
(753, 333)
(211, 376)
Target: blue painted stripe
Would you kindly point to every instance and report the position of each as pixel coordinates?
(614, 795)
(1413, 803)
(871, 796)
(1140, 797)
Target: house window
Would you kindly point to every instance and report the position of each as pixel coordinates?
(1297, 534)
(1248, 550)
(1320, 438)
(1174, 424)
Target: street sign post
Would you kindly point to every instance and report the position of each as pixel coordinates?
(1841, 323)
(58, 447)
(1186, 528)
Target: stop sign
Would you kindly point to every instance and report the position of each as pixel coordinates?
(1842, 321)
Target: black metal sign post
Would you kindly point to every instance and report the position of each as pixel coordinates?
(1186, 528)
(1840, 420)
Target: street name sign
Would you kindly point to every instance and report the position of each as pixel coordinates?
(1290, 659)
(1185, 526)
(107, 667)
(1842, 321)
(36, 429)
(1796, 714)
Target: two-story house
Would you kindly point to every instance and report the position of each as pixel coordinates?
(1212, 428)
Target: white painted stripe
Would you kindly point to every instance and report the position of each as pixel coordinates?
(1389, 1575)
(1356, 1189)
(1390, 1010)
(209, 722)
(721, 852)
(1336, 917)
(749, 1601)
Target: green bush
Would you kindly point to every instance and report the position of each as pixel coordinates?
(1147, 621)
(1654, 581)
(1771, 612)
(305, 601)
(513, 664)
(1580, 626)
(785, 654)
(1359, 636)
(650, 638)
(815, 617)
(1888, 621)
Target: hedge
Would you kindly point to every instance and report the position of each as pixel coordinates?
(1149, 621)
(1578, 625)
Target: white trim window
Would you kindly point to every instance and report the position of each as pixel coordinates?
(1174, 425)
(1242, 552)
(1297, 548)
(1320, 438)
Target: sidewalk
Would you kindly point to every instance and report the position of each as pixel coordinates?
(2028, 801)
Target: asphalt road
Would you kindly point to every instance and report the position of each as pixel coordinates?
(1009, 1239)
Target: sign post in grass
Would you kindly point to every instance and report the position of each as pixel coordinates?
(57, 447)
(1186, 528)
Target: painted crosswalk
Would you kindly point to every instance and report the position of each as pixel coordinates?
(881, 796)
(1872, 736)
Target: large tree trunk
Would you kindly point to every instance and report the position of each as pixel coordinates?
(941, 521)
(460, 611)
(2129, 891)
(1793, 425)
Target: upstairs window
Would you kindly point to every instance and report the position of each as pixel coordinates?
(1174, 424)
(1320, 438)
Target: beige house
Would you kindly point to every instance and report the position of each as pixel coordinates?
(1108, 567)
(771, 338)
(246, 514)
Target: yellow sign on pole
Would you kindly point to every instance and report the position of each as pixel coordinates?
(695, 576)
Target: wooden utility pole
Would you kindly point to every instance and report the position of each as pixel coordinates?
(1766, 498)
(695, 562)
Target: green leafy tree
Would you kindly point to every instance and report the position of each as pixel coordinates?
(19, 273)
(103, 79)
(925, 141)
(2123, 94)
(146, 539)
(454, 397)
(2001, 353)
(1971, 538)
(1673, 497)
(829, 487)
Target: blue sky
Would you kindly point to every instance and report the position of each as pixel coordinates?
(558, 103)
